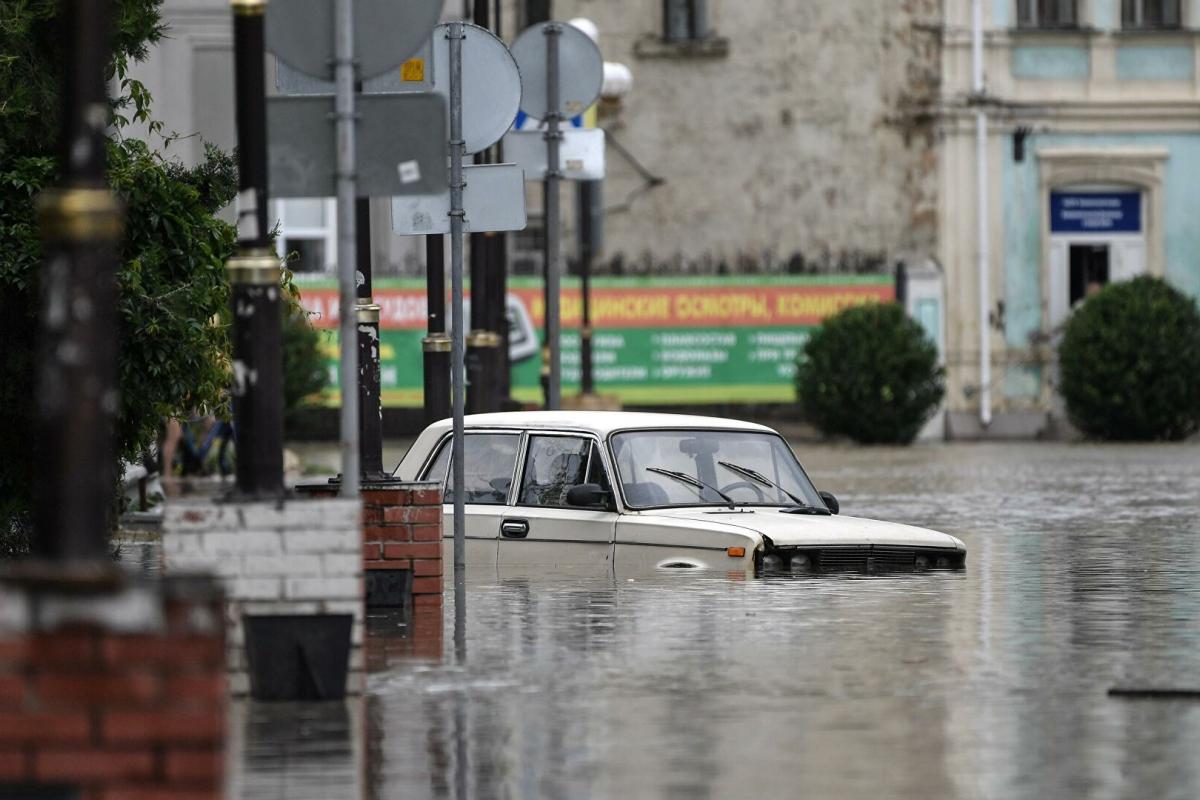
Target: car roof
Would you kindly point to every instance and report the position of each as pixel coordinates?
(601, 423)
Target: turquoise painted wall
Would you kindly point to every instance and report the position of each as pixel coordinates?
(1106, 14)
(1155, 62)
(1004, 13)
(1051, 62)
(1023, 228)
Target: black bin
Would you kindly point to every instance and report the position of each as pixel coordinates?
(298, 657)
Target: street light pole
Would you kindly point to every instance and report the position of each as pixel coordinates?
(591, 216)
(254, 274)
(77, 352)
(366, 316)
(436, 344)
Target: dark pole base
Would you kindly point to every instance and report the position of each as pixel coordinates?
(437, 372)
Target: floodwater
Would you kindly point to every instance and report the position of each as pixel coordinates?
(1083, 573)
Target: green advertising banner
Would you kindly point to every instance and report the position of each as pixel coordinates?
(655, 341)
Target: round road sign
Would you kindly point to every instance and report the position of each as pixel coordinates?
(580, 69)
(386, 33)
(491, 89)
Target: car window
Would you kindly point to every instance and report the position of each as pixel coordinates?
(595, 470)
(553, 464)
(490, 458)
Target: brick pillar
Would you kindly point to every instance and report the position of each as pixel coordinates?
(402, 530)
(115, 695)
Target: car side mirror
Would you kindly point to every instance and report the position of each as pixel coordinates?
(589, 495)
(830, 502)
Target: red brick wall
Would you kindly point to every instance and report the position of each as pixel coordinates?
(122, 716)
(402, 529)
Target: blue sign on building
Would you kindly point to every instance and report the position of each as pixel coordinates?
(1100, 212)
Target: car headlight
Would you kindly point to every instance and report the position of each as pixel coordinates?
(801, 562)
(921, 561)
(772, 563)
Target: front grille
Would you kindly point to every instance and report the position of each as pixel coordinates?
(843, 559)
(888, 558)
(873, 559)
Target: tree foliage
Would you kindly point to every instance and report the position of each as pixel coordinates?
(870, 373)
(173, 291)
(1130, 362)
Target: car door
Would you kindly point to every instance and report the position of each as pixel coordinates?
(540, 530)
(491, 459)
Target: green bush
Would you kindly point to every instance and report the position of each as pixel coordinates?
(1130, 363)
(870, 373)
(304, 371)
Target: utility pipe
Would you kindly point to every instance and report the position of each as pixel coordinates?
(981, 181)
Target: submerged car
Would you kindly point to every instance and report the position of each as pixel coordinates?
(629, 492)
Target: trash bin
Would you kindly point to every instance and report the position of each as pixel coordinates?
(298, 657)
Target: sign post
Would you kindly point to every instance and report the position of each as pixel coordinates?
(484, 91)
(561, 75)
(454, 34)
(344, 114)
(378, 39)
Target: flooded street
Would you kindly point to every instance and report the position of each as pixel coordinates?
(1083, 573)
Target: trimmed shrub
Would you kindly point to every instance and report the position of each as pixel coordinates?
(304, 371)
(870, 373)
(1130, 363)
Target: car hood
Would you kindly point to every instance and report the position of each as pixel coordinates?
(788, 530)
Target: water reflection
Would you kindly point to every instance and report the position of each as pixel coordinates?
(1084, 573)
(287, 750)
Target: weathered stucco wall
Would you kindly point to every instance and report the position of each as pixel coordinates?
(808, 142)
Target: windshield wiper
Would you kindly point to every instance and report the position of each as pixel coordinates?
(758, 477)
(815, 511)
(695, 483)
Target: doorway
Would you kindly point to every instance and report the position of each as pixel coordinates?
(1089, 268)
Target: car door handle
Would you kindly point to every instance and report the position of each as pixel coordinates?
(514, 529)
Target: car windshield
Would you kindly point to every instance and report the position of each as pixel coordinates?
(738, 464)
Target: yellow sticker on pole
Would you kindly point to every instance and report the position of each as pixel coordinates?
(413, 70)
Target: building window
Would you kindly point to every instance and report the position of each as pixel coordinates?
(685, 20)
(1151, 14)
(1049, 14)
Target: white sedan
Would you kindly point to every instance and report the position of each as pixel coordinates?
(628, 492)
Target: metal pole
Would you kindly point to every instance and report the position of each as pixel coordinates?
(346, 246)
(366, 315)
(77, 359)
(254, 275)
(981, 179)
(498, 264)
(591, 210)
(436, 345)
(552, 348)
(476, 363)
(456, 34)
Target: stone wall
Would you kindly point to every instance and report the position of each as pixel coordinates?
(115, 695)
(805, 140)
(297, 557)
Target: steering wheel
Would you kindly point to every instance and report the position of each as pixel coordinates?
(762, 498)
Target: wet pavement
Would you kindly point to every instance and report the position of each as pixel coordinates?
(1083, 573)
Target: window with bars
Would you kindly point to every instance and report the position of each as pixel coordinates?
(1151, 14)
(685, 20)
(1048, 14)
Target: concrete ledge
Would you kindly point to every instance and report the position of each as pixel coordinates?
(1006, 426)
